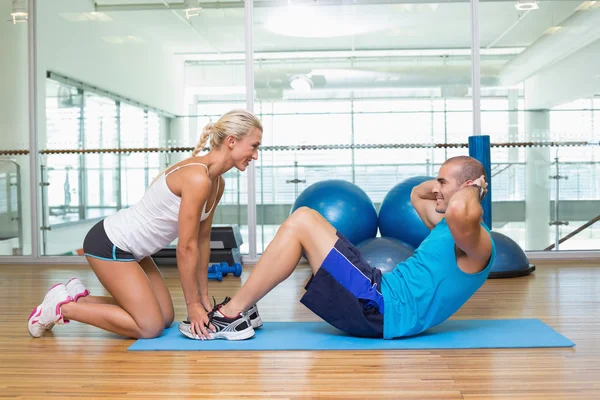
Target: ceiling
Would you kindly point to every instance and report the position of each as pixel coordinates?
(340, 27)
(432, 32)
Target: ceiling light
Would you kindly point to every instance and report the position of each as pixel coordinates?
(192, 8)
(19, 11)
(324, 22)
(552, 29)
(587, 5)
(301, 83)
(527, 5)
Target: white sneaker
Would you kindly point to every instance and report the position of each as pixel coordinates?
(254, 317)
(237, 328)
(252, 314)
(48, 313)
(76, 289)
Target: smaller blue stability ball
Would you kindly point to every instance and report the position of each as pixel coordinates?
(385, 253)
(397, 216)
(346, 206)
(510, 261)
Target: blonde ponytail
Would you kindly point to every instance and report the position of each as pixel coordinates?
(206, 132)
(237, 123)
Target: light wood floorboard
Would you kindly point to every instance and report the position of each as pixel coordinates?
(77, 361)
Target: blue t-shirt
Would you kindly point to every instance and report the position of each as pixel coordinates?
(428, 288)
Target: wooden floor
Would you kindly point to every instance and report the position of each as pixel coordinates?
(77, 361)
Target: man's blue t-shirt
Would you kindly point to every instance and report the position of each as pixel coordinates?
(428, 288)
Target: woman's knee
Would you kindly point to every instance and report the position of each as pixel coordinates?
(167, 310)
(150, 322)
(150, 329)
(169, 317)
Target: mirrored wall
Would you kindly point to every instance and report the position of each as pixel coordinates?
(373, 92)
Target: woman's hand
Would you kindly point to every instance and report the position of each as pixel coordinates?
(207, 304)
(200, 324)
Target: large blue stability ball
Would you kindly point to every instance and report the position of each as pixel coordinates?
(511, 261)
(346, 206)
(398, 218)
(384, 253)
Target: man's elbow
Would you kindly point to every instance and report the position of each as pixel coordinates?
(414, 196)
(462, 211)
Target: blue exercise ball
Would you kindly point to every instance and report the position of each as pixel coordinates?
(510, 261)
(384, 253)
(346, 206)
(397, 216)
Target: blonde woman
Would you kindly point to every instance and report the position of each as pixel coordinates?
(180, 203)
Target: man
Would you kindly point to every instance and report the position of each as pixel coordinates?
(423, 291)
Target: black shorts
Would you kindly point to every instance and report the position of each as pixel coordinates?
(97, 244)
(346, 292)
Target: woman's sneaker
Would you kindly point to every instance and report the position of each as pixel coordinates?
(76, 289)
(48, 313)
(252, 313)
(236, 328)
(254, 317)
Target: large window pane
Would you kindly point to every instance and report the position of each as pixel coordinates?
(546, 80)
(371, 76)
(15, 173)
(97, 105)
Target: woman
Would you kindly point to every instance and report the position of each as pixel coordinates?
(180, 203)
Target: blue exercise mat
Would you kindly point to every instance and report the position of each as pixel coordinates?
(453, 334)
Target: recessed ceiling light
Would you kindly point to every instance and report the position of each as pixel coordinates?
(552, 29)
(527, 5)
(324, 22)
(301, 83)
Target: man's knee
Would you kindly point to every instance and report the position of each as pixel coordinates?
(300, 219)
(301, 213)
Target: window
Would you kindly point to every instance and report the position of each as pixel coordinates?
(86, 186)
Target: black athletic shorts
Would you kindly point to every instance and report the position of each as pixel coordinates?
(97, 244)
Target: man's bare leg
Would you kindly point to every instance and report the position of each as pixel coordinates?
(305, 230)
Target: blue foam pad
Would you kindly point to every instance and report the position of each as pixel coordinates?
(453, 334)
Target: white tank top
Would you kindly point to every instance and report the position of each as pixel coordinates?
(152, 223)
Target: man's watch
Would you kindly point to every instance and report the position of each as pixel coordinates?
(480, 190)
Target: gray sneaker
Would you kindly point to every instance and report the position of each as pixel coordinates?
(252, 314)
(237, 328)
